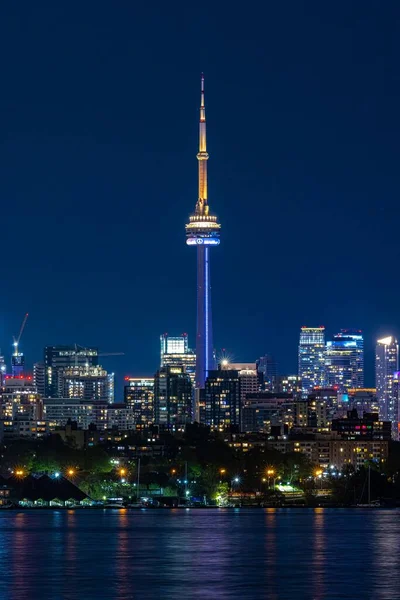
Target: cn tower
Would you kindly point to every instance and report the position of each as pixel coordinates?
(203, 231)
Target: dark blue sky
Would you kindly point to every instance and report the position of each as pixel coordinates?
(99, 109)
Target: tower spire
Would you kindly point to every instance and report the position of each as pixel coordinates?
(202, 156)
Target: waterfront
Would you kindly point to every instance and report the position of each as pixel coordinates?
(224, 554)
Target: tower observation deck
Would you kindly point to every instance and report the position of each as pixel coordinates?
(203, 231)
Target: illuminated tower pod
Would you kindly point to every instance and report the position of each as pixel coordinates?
(203, 231)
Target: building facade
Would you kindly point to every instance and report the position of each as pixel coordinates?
(344, 360)
(175, 352)
(222, 407)
(139, 397)
(386, 365)
(59, 358)
(172, 398)
(311, 358)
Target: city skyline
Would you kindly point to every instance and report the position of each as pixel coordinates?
(101, 181)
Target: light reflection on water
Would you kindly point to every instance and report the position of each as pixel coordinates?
(274, 554)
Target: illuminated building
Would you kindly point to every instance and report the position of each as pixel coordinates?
(395, 407)
(103, 415)
(266, 412)
(368, 427)
(344, 360)
(172, 398)
(57, 358)
(3, 369)
(268, 366)
(386, 364)
(203, 232)
(39, 377)
(18, 397)
(222, 400)
(363, 400)
(175, 352)
(311, 358)
(139, 397)
(248, 376)
(17, 364)
(86, 383)
(287, 384)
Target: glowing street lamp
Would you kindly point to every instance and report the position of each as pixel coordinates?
(71, 472)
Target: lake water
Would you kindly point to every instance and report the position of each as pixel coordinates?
(295, 554)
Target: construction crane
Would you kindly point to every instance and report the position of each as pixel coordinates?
(17, 340)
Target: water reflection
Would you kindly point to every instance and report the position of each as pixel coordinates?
(271, 551)
(318, 554)
(386, 550)
(272, 554)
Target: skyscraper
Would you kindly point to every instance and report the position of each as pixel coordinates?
(222, 400)
(172, 398)
(175, 351)
(344, 360)
(203, 231)
(386, 364)
(57, 358)
(268, 366)
(139, 397)
(311, 358)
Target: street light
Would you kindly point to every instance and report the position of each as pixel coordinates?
(71, 472)
(270, 473)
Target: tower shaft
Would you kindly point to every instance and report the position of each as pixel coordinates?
(204, 337)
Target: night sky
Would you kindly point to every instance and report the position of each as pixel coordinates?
(99, 110)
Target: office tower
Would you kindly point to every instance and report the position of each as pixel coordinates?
(139, 397)
(222, 400)
(344, 360)
(87, 383)
(203, 231)
(57, 358)
(172, 398)
(268, 366)
(311, 358)
(175, 352)
(386, 364)
(395, 407)
(39, 377)
(249, 379)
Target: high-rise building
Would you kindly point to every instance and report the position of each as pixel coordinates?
(17, 364)
(139, 397)
(268, 366)
(344, 360)
(39, 377)
(395, 407)
(249, 379)
(222, 399)
(18, 397)
(87, 383)
(172, 398)
(386, 364)
(203, 232)
(57, 358)
(3, 368)
(175, 352)
(311, 358)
